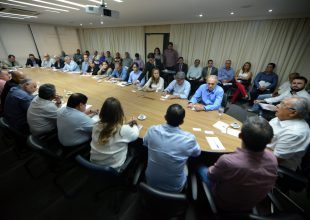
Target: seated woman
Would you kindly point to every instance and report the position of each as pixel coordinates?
(105, 69)
(243, 78)
(135, 74)
(93, 68)
(155, 83)
(110, 136)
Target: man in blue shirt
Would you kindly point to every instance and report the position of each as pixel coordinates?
(210, 94)
(226, 75)
(70, 65)
(85, 63)
(119, 73)
(264, 82)
(178, 88)
(17, 103)
(168, 150)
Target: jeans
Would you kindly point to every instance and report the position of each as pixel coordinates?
(256, 106)
(203, 173)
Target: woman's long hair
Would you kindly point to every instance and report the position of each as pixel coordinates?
(111, 119)
(153, 78)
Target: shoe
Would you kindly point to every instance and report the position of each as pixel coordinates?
(251, 110)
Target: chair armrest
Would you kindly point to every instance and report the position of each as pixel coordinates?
(275, 201)
(209, 196)
(127, 162)
(283, 171)
(138, 173)
(194, 186)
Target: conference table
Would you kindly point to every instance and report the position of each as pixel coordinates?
(136, 102)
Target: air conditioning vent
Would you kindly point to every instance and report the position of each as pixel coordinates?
(19, 11)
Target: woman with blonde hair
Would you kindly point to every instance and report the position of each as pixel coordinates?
(155, 83)
(110, 136)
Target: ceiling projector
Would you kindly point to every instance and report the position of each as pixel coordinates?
(101, 10)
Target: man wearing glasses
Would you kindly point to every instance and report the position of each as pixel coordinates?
(210, 94)
(291, 132)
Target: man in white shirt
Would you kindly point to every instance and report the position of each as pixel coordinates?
(42, 112)
(70, 65)
(194, 75)
(47, 61)
(291, 132)
(297, 88)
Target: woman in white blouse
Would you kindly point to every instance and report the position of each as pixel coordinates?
(155, 83)
(110, 136)
(243, 78)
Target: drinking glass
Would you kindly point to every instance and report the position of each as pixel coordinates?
(220, 112)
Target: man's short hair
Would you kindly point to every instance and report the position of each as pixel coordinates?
(272, 64)
(170, 43)
(213, 77)
(47, 91)
(180, 75)
(256, 133)
(210, 61)
(301, 105)
(10, 56)
(302, 78)
(75, 99)
(175, 115)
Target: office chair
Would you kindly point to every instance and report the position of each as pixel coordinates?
(274, 204)
(158, 204)
(237, 112)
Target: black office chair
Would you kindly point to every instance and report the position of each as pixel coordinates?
(276, 209)
(162, 205)
(224, 101)
(237, 112)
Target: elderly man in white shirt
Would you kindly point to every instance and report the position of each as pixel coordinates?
(70, 65)
(47, 61)
(291, 132)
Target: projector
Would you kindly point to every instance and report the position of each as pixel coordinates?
(101, 10)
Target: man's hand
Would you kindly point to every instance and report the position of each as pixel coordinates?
(190, 105)
(262, 88)
(199, 107)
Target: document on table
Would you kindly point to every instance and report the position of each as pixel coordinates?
(233, 132)
(215, 143)
(222, 126)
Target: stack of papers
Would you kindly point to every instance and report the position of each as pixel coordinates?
(222, 126)
(215, 143)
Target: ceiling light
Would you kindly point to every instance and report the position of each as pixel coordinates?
(39, 6)
(71, 3)
(200, 15)
(12, 14)
(52, 11)
(91, 23)
(81, 24)
(119, 1)
(8, 16)
(270, 10)
(98, 2)
(101, 22)
(49, 3)
(232, 13)
(4, 3)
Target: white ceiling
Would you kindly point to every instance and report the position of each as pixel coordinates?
(152, 12)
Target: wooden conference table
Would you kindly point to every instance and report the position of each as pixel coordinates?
(138, 102)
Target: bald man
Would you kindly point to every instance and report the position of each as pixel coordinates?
(16, 77)
(17, 103)
(47, 61)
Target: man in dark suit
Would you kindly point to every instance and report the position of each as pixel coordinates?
(181, 66)
(207, 71)
(93, 68)
(33, 61)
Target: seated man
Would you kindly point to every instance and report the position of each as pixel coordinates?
(168, 150)
(119, 73)
(73, 123)
(298, 86)
(59, 63)
(181, 66)
(264, 82)
(284, 86)
(194, 75)
(226, 75)
(209, 94)
(178, 88)
(209, 70)
(85, 63)
(291, 132)
(77, 57)
(4, 77)
(32, 61)
(42, 112)
(17, 103)
(127, 61)
(70, 65)
(47, 61)
(16, 77)
(93, 68)
(242, 179)
(12, 62)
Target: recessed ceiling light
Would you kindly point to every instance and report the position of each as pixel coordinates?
(270, 10)
(91, 23)
(71, 3)
(49, 3)
(81, 24)
(39, 6)
(98, 2)
(232, 13)
(4, 3)
(200, 15)
(120, 1)
(52, 11)
(101, 22)
(7, 16)
(13, 14)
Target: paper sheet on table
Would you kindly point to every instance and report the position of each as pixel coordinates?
(209, 132)
(222, 126)
(215, 143)
(74, 72)
(122, 84)
(233, 132)
(165, 97)
(268, 107)
(95, 118)
(196, 129)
